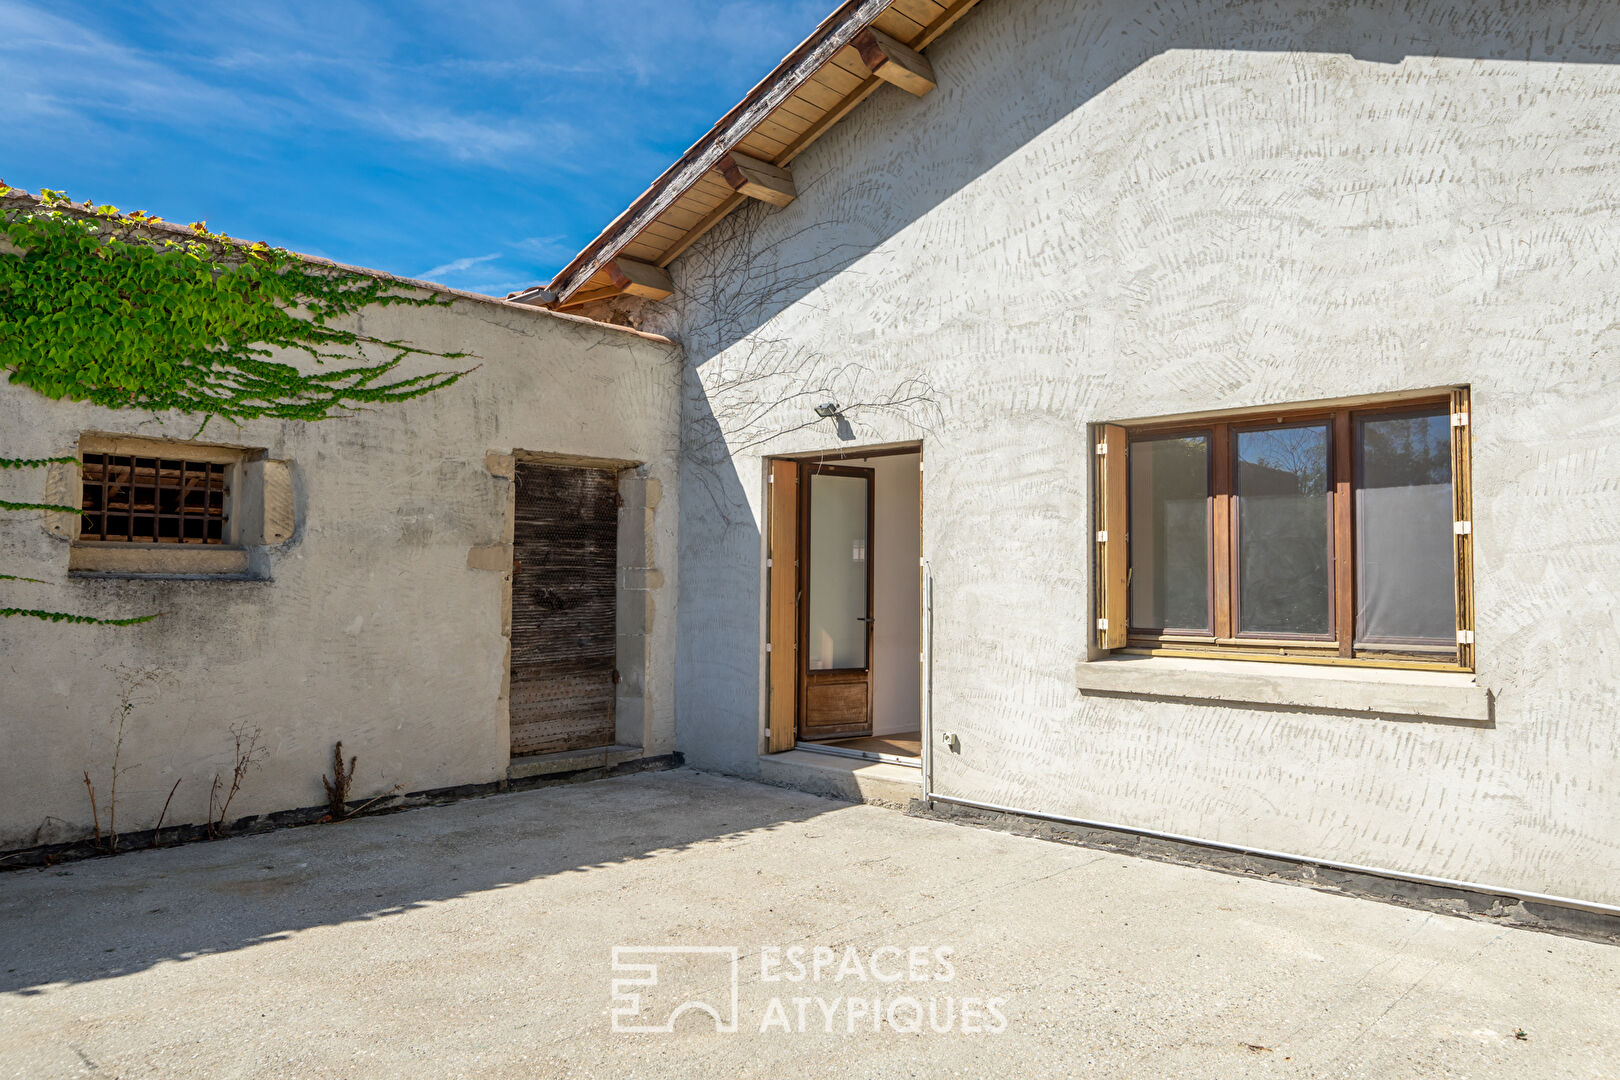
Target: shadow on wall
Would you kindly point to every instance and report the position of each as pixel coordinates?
(1012, 70)
(86, 921)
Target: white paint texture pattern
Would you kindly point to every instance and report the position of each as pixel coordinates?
(372, 629)
(1113, 210)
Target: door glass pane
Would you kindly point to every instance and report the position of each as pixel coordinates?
(838, 554)
(1170, 533)
(1285, 580)
(1404, 570)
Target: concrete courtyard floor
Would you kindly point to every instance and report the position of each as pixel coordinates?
(476, 940)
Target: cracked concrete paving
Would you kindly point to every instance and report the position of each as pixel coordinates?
(475, 939)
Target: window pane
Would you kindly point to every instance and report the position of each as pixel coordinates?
(1285, 581)
(1170, 533)
(1405, 577)
(838, 539)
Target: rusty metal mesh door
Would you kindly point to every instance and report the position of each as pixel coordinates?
(565, 542)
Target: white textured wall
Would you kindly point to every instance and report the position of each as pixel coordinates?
(1114, 210)
(373, 631)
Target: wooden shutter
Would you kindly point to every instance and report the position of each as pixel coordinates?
(1113, 553)
(1462, 435)
(781, 716)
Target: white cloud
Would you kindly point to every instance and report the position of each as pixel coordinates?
(456, 266)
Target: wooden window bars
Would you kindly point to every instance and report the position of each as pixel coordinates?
(153, 500)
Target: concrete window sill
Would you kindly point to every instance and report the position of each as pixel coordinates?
(158, 560)
(1440, 695)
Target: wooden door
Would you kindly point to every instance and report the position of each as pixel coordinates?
(835, 613)
(565, 560)
(782, 670)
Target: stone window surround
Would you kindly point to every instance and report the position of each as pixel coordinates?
(260, 513)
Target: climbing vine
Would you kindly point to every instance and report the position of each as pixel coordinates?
(126, 311)
(97, 306)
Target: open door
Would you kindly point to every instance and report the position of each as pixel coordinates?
(835, 615)
(782, 678)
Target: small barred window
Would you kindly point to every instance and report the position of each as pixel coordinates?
(150, 500)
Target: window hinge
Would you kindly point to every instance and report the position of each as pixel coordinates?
(767, 646)
(1102, 624)
(770, 478)
(1462, 528)
(769, 563)
(1459, 419)
(1102, 536)
(1465, 637)
(1102, 449)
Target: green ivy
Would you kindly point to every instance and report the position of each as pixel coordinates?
(62, 616)
(99, 307)
(102, 306)
(6, 504)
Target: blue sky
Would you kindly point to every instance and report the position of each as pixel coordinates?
(476, 143)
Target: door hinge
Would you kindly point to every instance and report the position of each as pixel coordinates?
(1102, 449)
(1102, 536)
(1465, 637)
(770, 478)
(769, 563)
(1462, 528)
(1102, 624)
(767, 646)
(615, 676)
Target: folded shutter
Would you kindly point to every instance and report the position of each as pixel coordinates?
(1113, 555)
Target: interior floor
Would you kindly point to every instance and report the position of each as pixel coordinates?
(899, 744)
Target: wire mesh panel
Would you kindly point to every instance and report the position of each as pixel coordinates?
(149, 500)
(565, 546)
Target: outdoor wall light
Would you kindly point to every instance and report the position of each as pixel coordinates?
(827, 411)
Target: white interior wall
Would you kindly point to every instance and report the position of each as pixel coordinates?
(896, 593)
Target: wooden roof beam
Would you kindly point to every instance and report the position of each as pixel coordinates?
(640, 279)
(758, 179)
(893, 62)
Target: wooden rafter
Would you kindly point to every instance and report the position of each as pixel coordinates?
(860, 47)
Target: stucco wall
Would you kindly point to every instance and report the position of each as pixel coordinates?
(373, 629)
(1110, 211)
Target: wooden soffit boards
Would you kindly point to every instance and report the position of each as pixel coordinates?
(817, 85)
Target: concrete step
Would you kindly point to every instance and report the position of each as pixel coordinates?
(875, 782)
(596, 757)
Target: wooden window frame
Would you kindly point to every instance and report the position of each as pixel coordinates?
(1225, 638)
